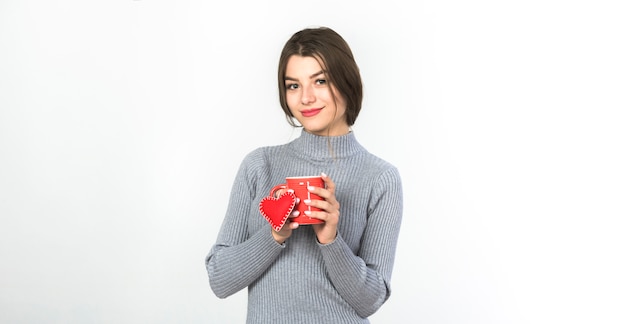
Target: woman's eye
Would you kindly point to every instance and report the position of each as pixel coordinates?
(291, 86)
(320, 81)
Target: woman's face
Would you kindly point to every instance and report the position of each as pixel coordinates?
(310, 98)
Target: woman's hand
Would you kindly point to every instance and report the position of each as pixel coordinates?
(326, 232)
(285, 232)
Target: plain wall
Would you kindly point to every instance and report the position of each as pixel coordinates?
(122, 124)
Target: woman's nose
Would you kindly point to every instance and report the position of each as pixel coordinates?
(308, 95)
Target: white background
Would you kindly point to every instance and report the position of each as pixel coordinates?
(122, 124)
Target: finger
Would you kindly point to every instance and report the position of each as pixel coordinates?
(281, 192)
(317, 214)
(321, 204)
(330, 184)
(324, 216)
(325, 194)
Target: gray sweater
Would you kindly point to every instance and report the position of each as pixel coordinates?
(303, 281)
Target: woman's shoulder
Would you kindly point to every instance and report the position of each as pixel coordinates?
(262, 151)
(387, 172)
(375, 162)
(384, 175)
(260, 156)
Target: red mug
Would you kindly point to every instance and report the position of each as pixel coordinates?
(299, 186)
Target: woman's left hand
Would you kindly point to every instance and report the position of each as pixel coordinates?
(329, 212)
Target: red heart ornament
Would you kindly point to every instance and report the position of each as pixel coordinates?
(277, 210)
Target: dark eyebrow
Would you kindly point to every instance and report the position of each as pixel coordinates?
(314, 75)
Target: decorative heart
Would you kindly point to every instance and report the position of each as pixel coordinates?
(277, 210)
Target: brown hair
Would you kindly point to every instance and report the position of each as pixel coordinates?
(333, 53)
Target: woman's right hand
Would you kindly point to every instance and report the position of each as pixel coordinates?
(285, 232)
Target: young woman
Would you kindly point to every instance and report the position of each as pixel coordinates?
(335, 272)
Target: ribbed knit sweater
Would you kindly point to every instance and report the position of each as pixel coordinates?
(304, 281)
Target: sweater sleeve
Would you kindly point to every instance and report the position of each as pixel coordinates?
(237, 258)
(363, 280)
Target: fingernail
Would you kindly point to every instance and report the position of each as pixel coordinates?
(307, 201)
(290, 190)
(307, 212)
(310, 188)
(324, 174)
(296, 213)
(297, 200)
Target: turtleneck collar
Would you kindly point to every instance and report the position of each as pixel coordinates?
(326, 147)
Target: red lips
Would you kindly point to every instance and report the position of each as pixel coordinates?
(310, 112)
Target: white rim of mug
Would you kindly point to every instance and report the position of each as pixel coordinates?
(305, 177)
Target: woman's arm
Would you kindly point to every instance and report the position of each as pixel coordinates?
(237, 259)
(363, 279)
